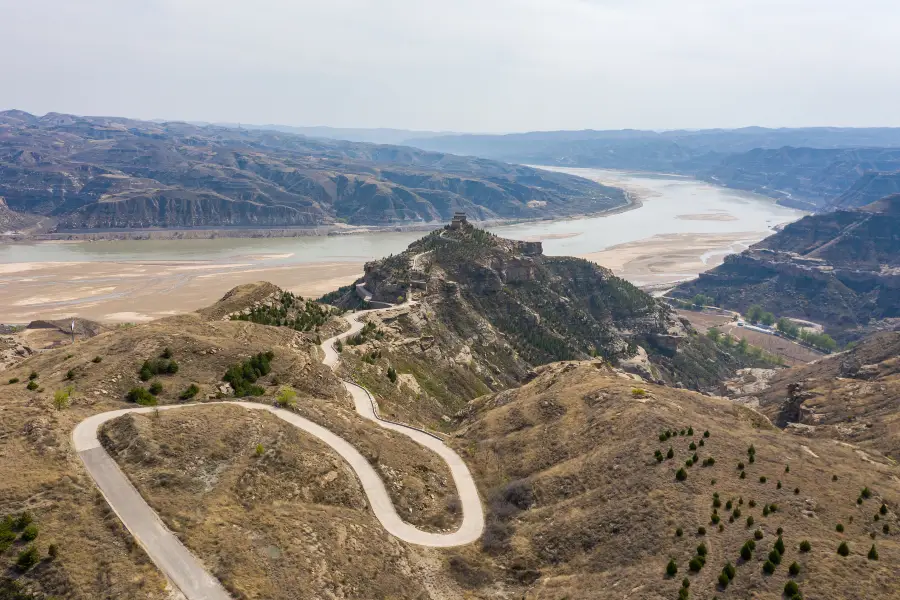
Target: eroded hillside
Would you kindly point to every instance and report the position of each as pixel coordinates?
(581, 507)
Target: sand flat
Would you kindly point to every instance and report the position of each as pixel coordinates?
(671, 257)
(133, 291)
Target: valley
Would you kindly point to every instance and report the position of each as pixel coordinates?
(574, 441)
(682, 227)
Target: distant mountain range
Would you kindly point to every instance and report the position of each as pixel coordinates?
(808, 168)
(119, 173)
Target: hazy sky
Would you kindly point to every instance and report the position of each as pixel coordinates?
(461, 65)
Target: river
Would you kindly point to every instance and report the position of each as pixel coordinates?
(683, 227)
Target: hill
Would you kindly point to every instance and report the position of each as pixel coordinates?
(838, 269)
(850, 397)
(808, 168)
(869, 189)
(117, 173)
(490, 309)
(580, 508)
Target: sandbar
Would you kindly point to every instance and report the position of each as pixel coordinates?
(671, 258)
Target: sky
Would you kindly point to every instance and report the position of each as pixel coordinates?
(458, 65)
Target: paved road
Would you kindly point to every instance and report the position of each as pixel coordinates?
(185, 571)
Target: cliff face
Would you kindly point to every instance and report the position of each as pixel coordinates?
(99, 172)
(839, 269)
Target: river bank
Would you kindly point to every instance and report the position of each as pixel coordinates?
(674, 229)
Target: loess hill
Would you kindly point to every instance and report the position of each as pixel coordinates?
(202, 470)
(490, 309)
(118, 173)
(580, 507)
(838, 269)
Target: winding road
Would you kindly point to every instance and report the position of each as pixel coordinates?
(185, 570)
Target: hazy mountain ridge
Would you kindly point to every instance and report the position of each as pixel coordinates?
(808, 168)
(110, 172)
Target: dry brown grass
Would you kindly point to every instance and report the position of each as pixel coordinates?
(275, 526)
(597, 514)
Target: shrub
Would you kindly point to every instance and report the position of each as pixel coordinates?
(692, 446)
(157, 366)
(721, 527)
(778, 485)
(702, 443)
(191, 391)
(737, 513)
(167, 353)
(685, 583)
(32, 376)
(714, 519)
(706, 433)
(690, 431)
(260, 450)
(729, 570)
(681, 433)
(791, 588)
(787, 468)
(859, 500)
(30, 532)
(728, 505)
(679, 532)
(762, 478)
(768, 567)
(70, 374)
(640, 393)
(758, 534)
(96, 360)
(709, 462)
(743, 474)
(139, 395)
(702, 550)
(156, 388)
(876, 517)
(689, 463)
(750, 521)
(883, 510)
(752, 503)
(670, 453)
(779, 545)
(52, 551)
(32, 385)
(773, 507)
(701, 530)
(746, 552)
(23, 520)
(839, 528)
(765, 510)
(740, 466)
(287, 398)
(662, 437)
(671, 568)
(886, 529)
(866, 493)
(794, 569)
(683, 594)
(805, 546)
(779, 531)
(28, 558)
(61, 399)
(13, 380)
(843, 549)
(796, 491)
(873, 553)
(834, 477)
(681, 474)
(724, 580)
(752, 459)
(716, 502)
(242, 377)
(775, 556)
(696, 564)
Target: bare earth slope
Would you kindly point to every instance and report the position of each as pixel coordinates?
(117, 173)
(580, 508)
